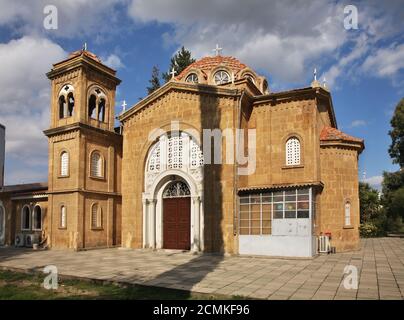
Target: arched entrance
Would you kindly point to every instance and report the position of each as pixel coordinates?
(173, 194)
(177, 216)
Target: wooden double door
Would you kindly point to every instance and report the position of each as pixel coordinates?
(177, 223)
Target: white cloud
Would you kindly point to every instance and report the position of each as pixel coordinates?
(358, 123)
(24, 99)
(113, 61)
(75, 17)
(284, 39)
(374, 181)
(344, 64)
(385, 62)
(269, 36)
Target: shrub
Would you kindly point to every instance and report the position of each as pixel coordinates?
(368, 230)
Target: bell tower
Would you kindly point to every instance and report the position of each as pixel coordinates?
(85, 154)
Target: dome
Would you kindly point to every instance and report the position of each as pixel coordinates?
(220, 70)
(208, 63)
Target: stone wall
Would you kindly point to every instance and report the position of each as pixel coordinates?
(192, 110)
(339, 172)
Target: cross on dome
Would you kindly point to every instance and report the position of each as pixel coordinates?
(217, 50)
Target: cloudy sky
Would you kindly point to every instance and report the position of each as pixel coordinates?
(283, 40)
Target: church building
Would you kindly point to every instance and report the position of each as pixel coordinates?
(213, 161)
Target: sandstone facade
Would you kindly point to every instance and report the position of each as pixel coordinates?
(297, 176)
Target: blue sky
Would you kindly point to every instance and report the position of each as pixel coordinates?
(282, 40)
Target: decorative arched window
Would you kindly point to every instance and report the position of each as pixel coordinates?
(265, 87)
(96, 216)
(175, 152)
(66, 101)
(26, 218)
(347, 213)
(250, 77)
(62, 107)
(293, 151)
(192, 78)
(96, 165)
(64, 164)
(176, 190)
(70, 104)
(63, 217)
(97, 104)
(221, 77)
(92, 107)
(101, 110)
(37, 219)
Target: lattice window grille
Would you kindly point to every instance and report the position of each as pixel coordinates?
(175, 152)
(96, 165)
(293, 151)
(64, 166)
(154, 162)
(196, 155)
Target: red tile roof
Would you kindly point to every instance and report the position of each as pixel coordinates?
(332, 134)
(208, 63)
(86, 53)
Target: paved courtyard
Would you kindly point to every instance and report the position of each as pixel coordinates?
(380, 265)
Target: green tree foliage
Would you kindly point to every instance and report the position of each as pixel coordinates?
(369, 202)
(181, 60)
(393, 182)
(396, 149)
(397, 202)
(372, 215)
(154, 81)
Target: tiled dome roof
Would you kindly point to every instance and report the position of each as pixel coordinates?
(86, 53)
(209, 63)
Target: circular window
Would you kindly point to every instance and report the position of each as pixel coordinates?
(193, 78)
(221, 77)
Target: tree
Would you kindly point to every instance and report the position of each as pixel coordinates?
(396, 149)
(181, 60)
(369, 202)
(392, 183)
(373, 217)
(397, 202)
(154, 81)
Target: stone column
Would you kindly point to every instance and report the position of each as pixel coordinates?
(145, 233)
(152, 223)
(196, 214)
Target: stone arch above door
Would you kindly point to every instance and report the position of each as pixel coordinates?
(177, 152)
